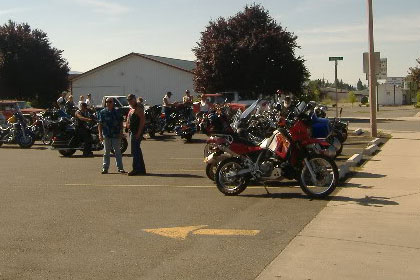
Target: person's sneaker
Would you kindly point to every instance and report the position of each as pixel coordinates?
(104, 172)
(122, 171)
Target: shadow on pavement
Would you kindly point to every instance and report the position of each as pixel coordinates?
(173, 175)
(162, 138)
(367, 120)
(372, 201)
(196, 141)
(368, 175)
(19, 148)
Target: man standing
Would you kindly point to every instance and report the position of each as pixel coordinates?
(89, 102)
(61, 101)
(187, 101)
(110, 128)
(82, 116)
(135, 124)
(167, 109)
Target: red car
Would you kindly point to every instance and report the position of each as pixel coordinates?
(8, 107)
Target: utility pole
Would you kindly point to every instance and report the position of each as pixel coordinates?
(336, 59)
(372, 75)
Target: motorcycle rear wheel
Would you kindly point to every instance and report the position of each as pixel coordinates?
(188, 138)
(327, 177)
(124, 146)
(67, 153)
(230, 186)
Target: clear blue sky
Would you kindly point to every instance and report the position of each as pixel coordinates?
(92, 32)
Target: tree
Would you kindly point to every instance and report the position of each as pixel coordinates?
(352, 97)
(359, 85)
(248, 52)
(415, 72)
(32, 69)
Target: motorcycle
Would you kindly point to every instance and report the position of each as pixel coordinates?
(66, 140)
(154, 121)
(185, 129)
(287, 154)
(17, 132)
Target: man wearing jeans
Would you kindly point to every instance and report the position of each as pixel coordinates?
(110, 132)
(135, 124)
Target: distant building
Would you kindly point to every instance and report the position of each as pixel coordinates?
(389, 94)
(329, 92)
(143, 75)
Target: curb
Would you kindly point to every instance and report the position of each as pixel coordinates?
(355, 160)
(359, 131)
(377, 142)
(370, 150)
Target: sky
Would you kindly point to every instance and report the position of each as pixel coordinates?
(93, 32)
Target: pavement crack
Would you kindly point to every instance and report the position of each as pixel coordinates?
(359, 241)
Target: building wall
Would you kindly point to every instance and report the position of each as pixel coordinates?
(137, 75)
(386, 95)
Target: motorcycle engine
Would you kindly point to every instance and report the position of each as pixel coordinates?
(266, 168)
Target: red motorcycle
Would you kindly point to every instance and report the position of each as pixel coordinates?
(289, 153)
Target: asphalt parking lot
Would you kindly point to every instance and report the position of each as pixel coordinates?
(62, 219)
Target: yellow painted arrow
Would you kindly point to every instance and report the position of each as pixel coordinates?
(181, 233)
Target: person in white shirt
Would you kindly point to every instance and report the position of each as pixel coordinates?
(89, 102)
(61, 101)
(81, 100)
(167, 109)
(204, 105)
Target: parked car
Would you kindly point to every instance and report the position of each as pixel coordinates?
(232, 98)
(120, 103)
(8, 107)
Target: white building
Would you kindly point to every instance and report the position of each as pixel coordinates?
(389, 94)
(143, 75)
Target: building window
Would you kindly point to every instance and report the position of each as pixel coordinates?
(388, 93)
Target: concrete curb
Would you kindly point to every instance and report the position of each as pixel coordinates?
(344, 170)
(358, 131)
(377, 142)
(355, 160)
(370, 150)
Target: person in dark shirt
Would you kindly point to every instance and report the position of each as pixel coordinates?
(135, 124)
(82, 116)
(110, 128)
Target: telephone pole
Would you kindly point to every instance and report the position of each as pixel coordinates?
(372, 73)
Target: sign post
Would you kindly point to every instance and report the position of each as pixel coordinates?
(336, 59)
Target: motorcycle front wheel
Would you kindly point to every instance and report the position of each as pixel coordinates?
(67, 153)
(211, 169)
(324, 179)
(27, 141)
(226, 179)
(124, 146)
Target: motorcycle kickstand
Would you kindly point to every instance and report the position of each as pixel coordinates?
(265, 187)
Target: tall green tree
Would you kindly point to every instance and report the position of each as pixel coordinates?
(415, 72)
(249, 52)
(32, 69)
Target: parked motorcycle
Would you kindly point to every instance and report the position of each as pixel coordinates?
(288, 153)
(67, 141)
(154, 121)
(17, 132)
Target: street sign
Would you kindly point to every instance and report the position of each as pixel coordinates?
(336, 58)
